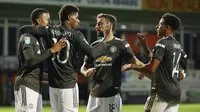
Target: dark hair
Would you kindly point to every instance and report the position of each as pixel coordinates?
(36, 13)
(172, 20)
(66, 10)
(110, 18)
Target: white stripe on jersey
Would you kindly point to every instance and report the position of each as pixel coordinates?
(127, 45)
(160, 45)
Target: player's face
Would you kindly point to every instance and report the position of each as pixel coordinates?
(161, 28)
(43, 19)
(102, 25)
(74, 21)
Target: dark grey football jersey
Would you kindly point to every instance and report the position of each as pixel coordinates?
(108, 61)
(165, 81)
(30, 58)
(62, 65)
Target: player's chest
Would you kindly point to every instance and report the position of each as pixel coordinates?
(106, 53)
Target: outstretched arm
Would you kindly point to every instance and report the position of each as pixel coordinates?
(83, 45)
(145, 68)
(33, 59)
(37, 31)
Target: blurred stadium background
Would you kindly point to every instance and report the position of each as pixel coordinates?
(133, 16)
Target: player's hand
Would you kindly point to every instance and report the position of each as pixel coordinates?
(126, 67)
(180, 75)
(90, 71)
(141, 76)
(58, 46)
(142, 39)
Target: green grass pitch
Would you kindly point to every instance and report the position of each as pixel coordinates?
(125, 108)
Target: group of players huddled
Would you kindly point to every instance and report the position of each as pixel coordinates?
(58, 46)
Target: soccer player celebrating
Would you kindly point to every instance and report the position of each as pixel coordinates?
(27, 88)
(109, 54)
(63, 90)
(164, 68)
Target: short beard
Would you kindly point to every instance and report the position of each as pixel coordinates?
(100, 34)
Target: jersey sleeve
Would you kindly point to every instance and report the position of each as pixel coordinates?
(83, 44)
(32, 59)
(37, 31)
(48, 33)
(89, 62)
(127, 51)
(183, 60)
(159, 50)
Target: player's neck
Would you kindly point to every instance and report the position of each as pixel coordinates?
(168, 35)
(66, 24)
(108, 36)
(35, 24)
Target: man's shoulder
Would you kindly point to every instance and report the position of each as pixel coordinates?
(162, 43)
(170, 43)
(121, 42)
(77, 32)
(118, 39)
(27, 36)
(96, 42)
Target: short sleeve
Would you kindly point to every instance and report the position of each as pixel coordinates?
(27, 46)
(159, 50)
(83, 44)
(127, 51)
(183, 60)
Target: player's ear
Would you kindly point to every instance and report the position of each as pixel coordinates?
(69, 18)
(108, 25)
(38, 21)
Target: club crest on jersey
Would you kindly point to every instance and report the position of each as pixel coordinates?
(113, 49)
(27, 40)
(103, 59)
(30, 106)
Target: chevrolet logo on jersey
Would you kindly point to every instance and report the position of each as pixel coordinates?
(103, 59)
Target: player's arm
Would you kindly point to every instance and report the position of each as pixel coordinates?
(134, 60)
(37, 31)
(45, 78)
(87, 69)
(143, 42)
(146, 68)
(83, 69)
(83, 45)
(129, 55)
(150, 67)
(183, 66)
(33, 59)
(148, 54)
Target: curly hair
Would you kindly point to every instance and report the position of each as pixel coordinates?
(172, 20)
(66, 10)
